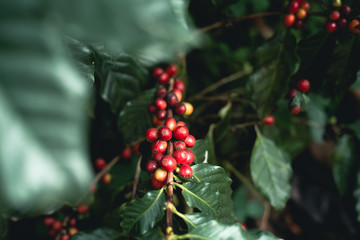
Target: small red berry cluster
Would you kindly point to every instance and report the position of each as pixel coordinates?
(169, 149)
(303, 86)
(339, 18)
(164, 98)
(297, 12)
(67, 230)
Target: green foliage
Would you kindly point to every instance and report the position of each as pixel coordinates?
(245, 207)
(98, 234)
(317, 116)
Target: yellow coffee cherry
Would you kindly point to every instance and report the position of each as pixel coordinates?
(189, 108)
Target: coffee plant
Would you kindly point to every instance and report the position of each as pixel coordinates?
(180, 119)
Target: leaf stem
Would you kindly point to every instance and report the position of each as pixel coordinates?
(189, 235)
(174, 210)
(136, 178)
(265, 217)
(242, 125)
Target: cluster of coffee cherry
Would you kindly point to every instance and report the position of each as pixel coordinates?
(170, 151)
(168, 99)
(339, 19)
(303, 86)
(67, 230)
(297, 12)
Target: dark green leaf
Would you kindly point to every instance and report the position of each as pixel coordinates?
(154, 234)
(277, 62)
(357, 195)
(197, 219)
(271, 171)
(356, 128)
(317, 116)
(140, 215)
(98, 234)
(201, 150)
(216, 230)
(245, 207)
(212, 195)
(134, 119)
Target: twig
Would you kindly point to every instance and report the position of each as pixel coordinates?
(242, 125)
(136, 178)
(106, 169)
(265, 217)
(170, 193)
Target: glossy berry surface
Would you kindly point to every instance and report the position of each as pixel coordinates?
(303, 85)
(100, 163)
(178, 84)
(168, 163)
(163, 78)
(157, 184)
(172, 99)
(334, 15)
(305, 5)
(180, 156)
(65, 237)
(170, 123)
(83, 208)
(165, 133)
(57, 225)
(180, 108)
(295, 110)
(160, 175)
(106, 178)
(178, 94)
(244, 226)
(160, 103)
(179, 145)
(161, 115)
(289, 20)
(293, 6)
(298, 24)
(353, 26)
(72, 222)
(156, 121)
(190, 157)
(73, 231)
(343, 23)
(346, 9)
(330, 27)
(189, 108)
(151, 134)
(181, 133)
(158, 147)
(185, 171)
(157, 72)
(292, 93)
(126, 153)
(172, 70)
(161, 92)
(157, 157)
(269, 120)
(151, 166)
(301, 14)
(190, 141)
(152, 108)
(48, 221)
(180, 123)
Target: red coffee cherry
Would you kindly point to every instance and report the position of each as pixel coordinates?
(190, 157)
(65, 237)
(157, 184)
(293, 6)
(165, 133)
(152, 108)
(330, 27)
(292, 93)
(178, 84)
(52, 232)
(72, 222)
(151, 134)
(151, 166)
(156, 121)
(172, 99)
(158, 147)
(269, 120)
(168, 163)
(289, 20)
(126, 153)
(180, 108)
(301, 13)
(298, 24)
(178, 94)
(190, 141)
(179, 145)
(161, 92)
(334, 15)
(163, 78)
(136, 148)
(161, 115)
(100, 163)
(157, 157)
(160, 103)
(185, 171)
(181, 133)
(172, 70)
(57, 225)
(83, 208)
(170, 123)
(180, 156)
(106, 178)
(157, 72)
(353, 26)
(160, 175)
(303, 85)
(343, 23)
(73, 231)
(48, 221)
(305, 5)
(180, 123)
(295, 110)
(244, 226)
(346, 9)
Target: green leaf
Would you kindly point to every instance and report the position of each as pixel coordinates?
(344, 162)
(317, 116)
(43, 125)
(277, 62)
(154, 234)
(355, 126)
(197, 219)
(212, 195)
(271, 171)
(140, 215)
(98, 234)
(134, 119)
(245, 207)
(216, 230)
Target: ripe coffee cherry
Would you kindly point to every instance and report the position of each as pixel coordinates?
(161, 92)
(160, 103)
(190, 141)
(73, 231)
(126, 153)
(165, 133)
(190, 157)
(185, 171)
(157, 157)
(158, 147)
(161, 115)
(170, 123)
(305, 5)
(172, 99)
(83, 208)
(298, 24)
(301, 13)
(152, 108)
(178, 84)
(180, 123)
(178, 94)
(180, 156)
(181, 133)
(179, 145)
(293, 6)
(292, 93)
(180, 108)
(157, 72)
(295, 110)
(57, 225)
(106, 178)
(52, 232)
(269, 120)
(343, 23)
(163, 78)
(65, 237)
(346, 9)
(172, 70)
(168, 163)
(157, 184)
(151, 166)
(334, 15)
(48, 221)
(303, 85)
(244, 226)
(330, 27)
(72, 222)
(189, 108)
(289, 20)
(160, 175)
(100, 163)
(353, 26)
(136, 147)
(156, 121)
